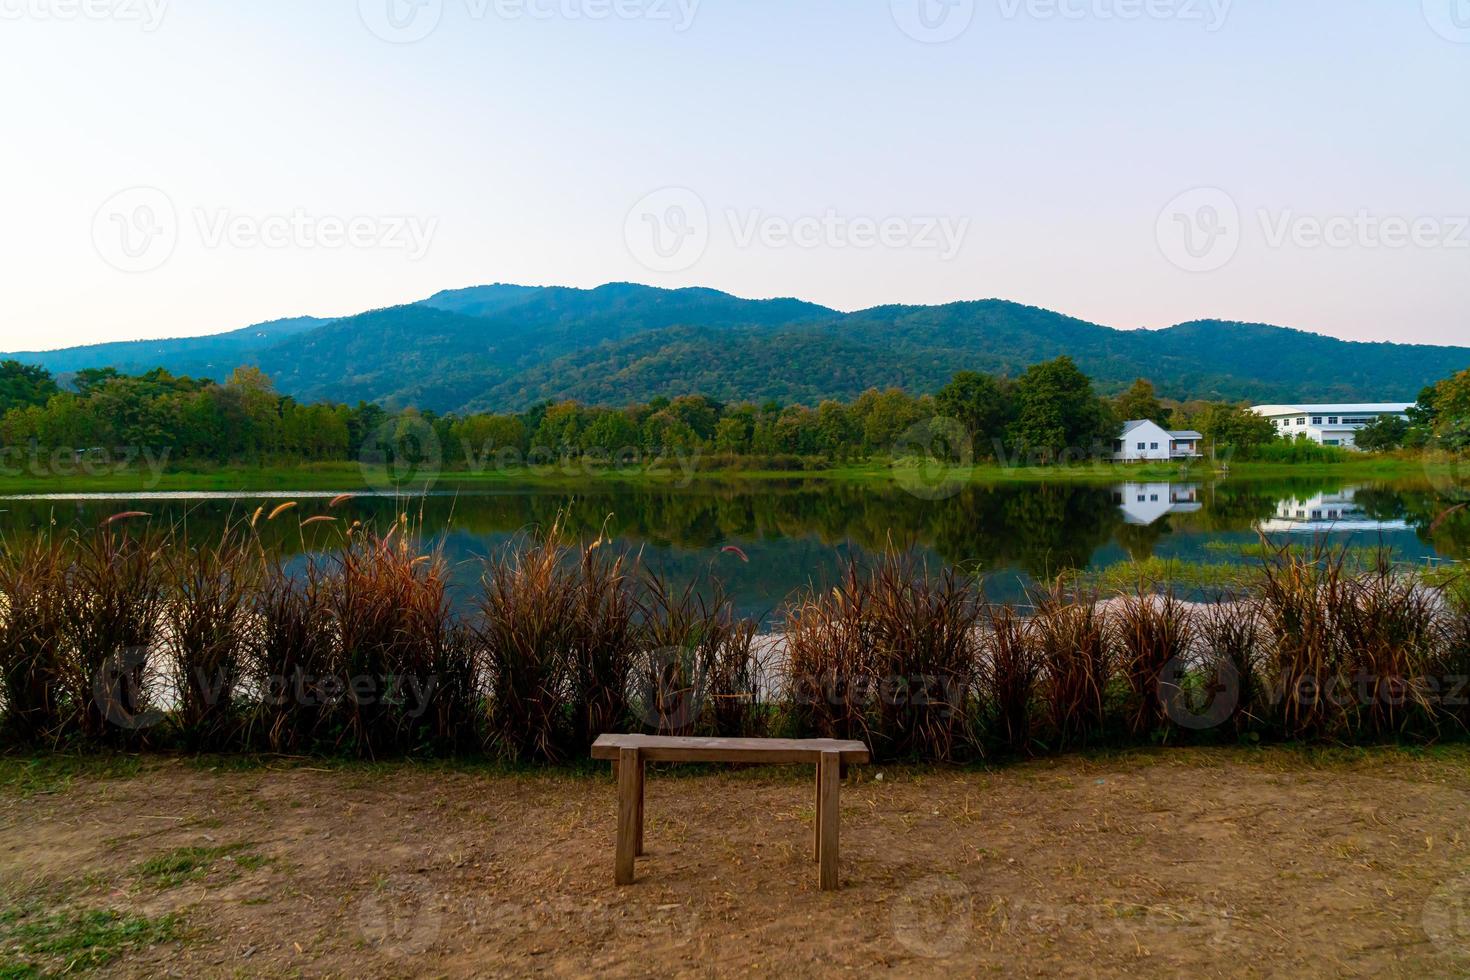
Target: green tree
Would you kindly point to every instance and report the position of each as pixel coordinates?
(1382, 434)
(1058, 412)
(24, 385)
(1142, 402)
(1234, 429)
(981, 404)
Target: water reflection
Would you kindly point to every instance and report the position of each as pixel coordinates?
(1146, 503)
(1327, 513)
(799, 533)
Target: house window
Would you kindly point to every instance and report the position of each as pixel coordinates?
(1302, 420)
(1332, 420)
(1316, 420)
(1153, 445)
(1153, 497)
(1141, 446)
(1332, 442)
(1140, 499)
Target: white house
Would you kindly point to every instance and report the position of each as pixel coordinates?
(1145, 503)
(1146, 441)
(1329, 425)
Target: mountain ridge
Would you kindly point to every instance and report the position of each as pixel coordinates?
(502, 346)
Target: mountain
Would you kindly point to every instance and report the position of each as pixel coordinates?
(502, 346)
(209, 356)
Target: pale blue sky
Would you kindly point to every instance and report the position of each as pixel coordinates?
(509, 147)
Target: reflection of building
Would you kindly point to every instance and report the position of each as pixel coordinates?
(1325, 512)
(1330, 425)
(1143, 440)
(1145, 503)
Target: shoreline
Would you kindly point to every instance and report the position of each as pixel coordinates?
(351, 477)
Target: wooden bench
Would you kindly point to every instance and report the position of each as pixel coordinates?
(630, 754)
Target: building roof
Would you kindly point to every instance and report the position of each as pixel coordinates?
(1186, 434)
(1381, 408)
(1136, 423)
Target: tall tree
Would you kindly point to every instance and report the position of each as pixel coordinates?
(979, 403)
(1142, 402)
(1058, 412)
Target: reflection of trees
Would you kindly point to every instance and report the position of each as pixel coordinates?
(795, 532)
(1139, 539)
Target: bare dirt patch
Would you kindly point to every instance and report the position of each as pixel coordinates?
(1159, 863)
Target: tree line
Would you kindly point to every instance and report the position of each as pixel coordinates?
(1050, 413)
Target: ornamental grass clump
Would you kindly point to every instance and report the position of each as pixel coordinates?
(695, 670)
(33, 574)
(211, 589)
(925, 628)
(1155, 632)
(112, 606)
(524, 633)
(1078, 656)
(1012, 659)
(831, 659)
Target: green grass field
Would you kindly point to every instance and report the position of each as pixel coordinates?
(674, 473)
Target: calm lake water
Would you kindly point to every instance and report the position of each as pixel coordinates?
(801, 532)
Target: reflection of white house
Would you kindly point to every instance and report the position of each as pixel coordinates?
(1143, 440)
(1329, 425)
(1145, 503)
(1325, 512)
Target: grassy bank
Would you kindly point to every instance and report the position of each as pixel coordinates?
(683, 473)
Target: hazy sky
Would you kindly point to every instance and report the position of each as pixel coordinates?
(177, 167)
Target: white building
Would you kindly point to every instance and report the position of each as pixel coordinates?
(1146, 441)
(1146, 503)
(1329, 425)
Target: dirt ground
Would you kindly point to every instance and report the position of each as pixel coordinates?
(1217, 863)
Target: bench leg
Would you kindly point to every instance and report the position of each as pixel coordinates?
(817, 823)
(630, 767)
(828, 813)
(642, 775)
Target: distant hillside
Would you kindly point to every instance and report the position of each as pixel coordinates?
(210, 356)
(501, 347)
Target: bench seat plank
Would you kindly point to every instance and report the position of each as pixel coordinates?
(774, 751)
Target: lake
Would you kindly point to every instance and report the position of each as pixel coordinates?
(800, 532)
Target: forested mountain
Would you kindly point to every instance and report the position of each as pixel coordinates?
(213, 356)
(502, 347)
